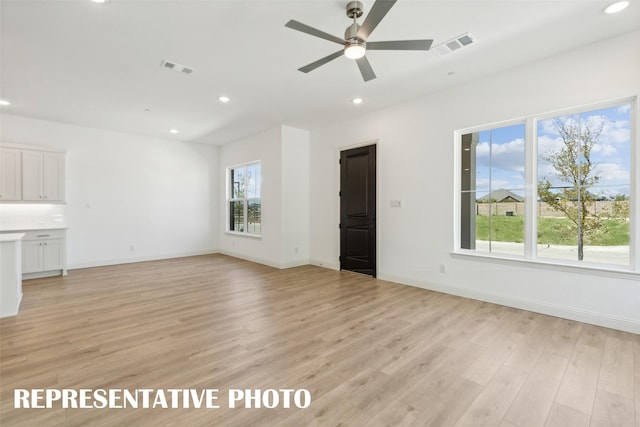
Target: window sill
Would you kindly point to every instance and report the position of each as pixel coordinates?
(242, 234)
(590, 269)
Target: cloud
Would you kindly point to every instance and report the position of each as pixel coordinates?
(623, 109)
(612, 173)
(497, 183)
(507, 156)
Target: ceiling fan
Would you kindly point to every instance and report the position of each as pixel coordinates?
(355, 38)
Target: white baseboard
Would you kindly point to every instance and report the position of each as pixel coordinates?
(571, 313)
(104, 263)
(268, 262)
(324, 264)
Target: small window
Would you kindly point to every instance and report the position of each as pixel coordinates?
(243, 199)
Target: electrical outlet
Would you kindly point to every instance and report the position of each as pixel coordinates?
(443, 268)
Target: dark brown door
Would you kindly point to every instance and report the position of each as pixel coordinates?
(358, 210)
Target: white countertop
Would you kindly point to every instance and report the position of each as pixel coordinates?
(24, 227)
(11, 237)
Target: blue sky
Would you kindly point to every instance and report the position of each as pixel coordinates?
(500, 153)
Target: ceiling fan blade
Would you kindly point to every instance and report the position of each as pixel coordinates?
(400, 45)
(376, 14)
(295, 25)
(365, 69)
(320, 62)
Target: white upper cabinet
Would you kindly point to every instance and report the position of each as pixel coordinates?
(10, 174)
(42, 176)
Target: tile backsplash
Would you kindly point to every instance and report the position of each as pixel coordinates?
(26, 215)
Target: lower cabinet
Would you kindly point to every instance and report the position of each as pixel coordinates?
(43, 253)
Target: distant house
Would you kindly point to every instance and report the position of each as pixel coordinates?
(501, 195)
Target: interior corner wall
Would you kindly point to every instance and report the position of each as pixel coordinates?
(416, 165)
(128, 196)
(295, 196)
(265, 147)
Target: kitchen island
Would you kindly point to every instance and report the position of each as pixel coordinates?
(10, 273)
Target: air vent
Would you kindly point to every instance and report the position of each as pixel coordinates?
(453, 44)
(176, 67)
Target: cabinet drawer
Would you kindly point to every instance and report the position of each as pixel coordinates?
(43, 234)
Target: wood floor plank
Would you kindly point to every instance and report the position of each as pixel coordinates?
(617, 363)
(489, 408)
(578, 388)
(612, 410)
(563, 416)
(370, 352)
(534, 401)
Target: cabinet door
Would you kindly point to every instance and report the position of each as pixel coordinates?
(10, 174)
(32, 169)
(53, 176)
(53, 254)
(32, 256)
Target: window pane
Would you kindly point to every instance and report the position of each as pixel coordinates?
(584, 186)
(492, 175)
(236, 216)
(254, 217)
(237, 183)
(253, 180)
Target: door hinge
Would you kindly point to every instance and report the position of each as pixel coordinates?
(339, 161)
(339, 258)
(340, 226)
(339, 193)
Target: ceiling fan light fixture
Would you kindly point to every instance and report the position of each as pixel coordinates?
(354, 50)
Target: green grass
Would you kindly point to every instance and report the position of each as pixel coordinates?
(557, 231)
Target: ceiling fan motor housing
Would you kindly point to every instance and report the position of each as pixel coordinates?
(354, 9)
(351, 34)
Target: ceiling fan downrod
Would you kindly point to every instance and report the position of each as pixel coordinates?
(355, 47)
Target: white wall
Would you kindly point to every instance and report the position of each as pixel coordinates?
(295, 196)
(416, 166)
(129, 197)
(284, 156)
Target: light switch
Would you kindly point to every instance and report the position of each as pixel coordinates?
(396, 203)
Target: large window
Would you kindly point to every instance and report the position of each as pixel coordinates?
(555, 187)
(243, 199)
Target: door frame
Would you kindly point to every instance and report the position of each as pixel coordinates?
(379, 213)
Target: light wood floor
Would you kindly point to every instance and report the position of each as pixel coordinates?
(371, 353)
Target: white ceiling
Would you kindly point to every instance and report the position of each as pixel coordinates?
(94, 65)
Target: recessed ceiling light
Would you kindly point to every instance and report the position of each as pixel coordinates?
(616, 7)
(174, 131)
(356, 101)
(5, 103)
(224, 99)
(100, 1)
